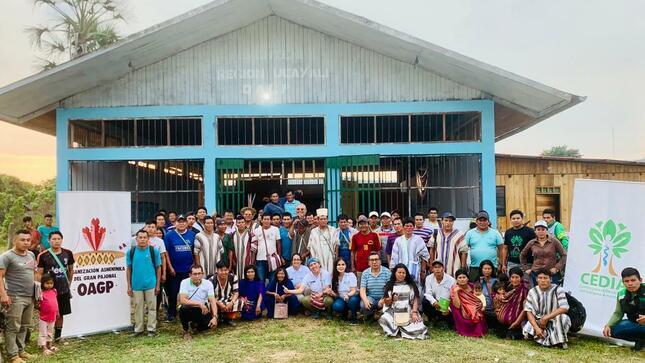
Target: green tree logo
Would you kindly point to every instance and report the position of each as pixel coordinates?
(608, 241)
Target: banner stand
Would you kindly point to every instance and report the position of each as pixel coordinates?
(606, 236)
(96, 228)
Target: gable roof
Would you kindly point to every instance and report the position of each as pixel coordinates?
(519, 102)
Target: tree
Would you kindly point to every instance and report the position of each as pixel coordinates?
(562, 150)
(19, 199)
(79, 27)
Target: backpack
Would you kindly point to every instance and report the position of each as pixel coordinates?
(577, 313)
(152, 255)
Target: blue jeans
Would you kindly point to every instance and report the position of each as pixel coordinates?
(263, 270)
(372, 310)
(341, 306)
(628, 330)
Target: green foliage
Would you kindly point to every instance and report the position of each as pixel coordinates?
(617, 237)
(563, 151)
(19, 199)
(78, 27)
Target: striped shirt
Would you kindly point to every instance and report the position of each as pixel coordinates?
(375, 285)
(541, 303)
(424, 233)
(224, 293)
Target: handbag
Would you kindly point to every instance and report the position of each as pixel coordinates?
(318, 301)
(401, 316)
(273, 260)
(280, 310)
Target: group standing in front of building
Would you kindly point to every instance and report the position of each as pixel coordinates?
(403, 272)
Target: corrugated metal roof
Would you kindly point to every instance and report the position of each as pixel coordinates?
(528, 101)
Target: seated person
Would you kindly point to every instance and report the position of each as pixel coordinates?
(401, 306)
(509, 304)
(296, 272)
(546, 309)
(344, 290)
(226, 287)
(630, 302)
(251, 294)
(373, 282)
(275, 293)
(436, 299)
(316, 287)
(467, 310)
(197, 299)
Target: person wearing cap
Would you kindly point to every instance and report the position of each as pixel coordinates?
(384, 232)
(548, 253)
(179, 243)
(322, 245)
(484, 243)
(244, 247)
(373, 220)
(515, 239)
(228, 249)
(208, 247)
(437, 294)
(411, 251)
(343, 239)
(363, 244)
(448, 245)
(316, 285)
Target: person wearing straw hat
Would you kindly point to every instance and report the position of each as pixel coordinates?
(322, 245)
(248, 213)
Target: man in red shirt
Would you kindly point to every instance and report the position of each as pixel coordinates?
(363, 243)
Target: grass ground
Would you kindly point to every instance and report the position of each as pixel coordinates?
(305, 339)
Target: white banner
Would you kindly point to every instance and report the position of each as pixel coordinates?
(607, 234)
(96, 226)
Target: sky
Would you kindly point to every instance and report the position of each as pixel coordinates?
(592, 48)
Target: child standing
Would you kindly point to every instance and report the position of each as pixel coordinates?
(48, 314)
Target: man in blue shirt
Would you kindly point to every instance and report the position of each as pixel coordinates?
(286, 237)
(45, 230)
(290, 203)
(144, 276)
(485, 243)
(179, 243)
(372, 285)
(274, 206)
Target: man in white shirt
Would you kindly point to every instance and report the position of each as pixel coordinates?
(269, 247)
(197, 299)
(322, 245)
(437, 294)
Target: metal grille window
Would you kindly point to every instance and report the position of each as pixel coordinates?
(357, 130)
(169, 184)
(270, 131)
(413, 184)
(465, 126)
(135, 132)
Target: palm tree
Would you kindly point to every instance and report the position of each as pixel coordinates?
(79, 27)
(611, 242)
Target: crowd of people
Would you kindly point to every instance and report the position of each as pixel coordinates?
(405, 273)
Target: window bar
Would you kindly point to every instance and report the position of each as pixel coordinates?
(444, 126)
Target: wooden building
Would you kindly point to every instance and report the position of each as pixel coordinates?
(533, 183)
